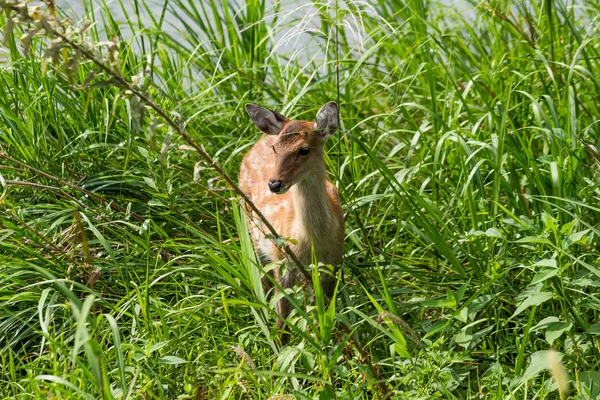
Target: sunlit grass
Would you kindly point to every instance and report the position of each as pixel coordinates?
(467, 167)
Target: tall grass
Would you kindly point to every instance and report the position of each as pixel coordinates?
(467, 166)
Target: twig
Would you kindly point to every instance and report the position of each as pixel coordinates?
(32, 184)
(10, 182)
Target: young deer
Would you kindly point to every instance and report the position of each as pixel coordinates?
(284, 175)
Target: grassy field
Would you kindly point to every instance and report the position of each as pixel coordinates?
(465, 160)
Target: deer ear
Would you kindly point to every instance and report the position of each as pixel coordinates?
(270, 122)
(327, 119)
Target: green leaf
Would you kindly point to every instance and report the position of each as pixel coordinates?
(61, 381)
(158, 346)
(538, 363)
(172, 360)
(546, 262)
(444, 302)
(144, 152)
(543, 324)
(82, 315)
(463, 315)
(594, 329)
(286, 359)
(463, 338)
(327, 393)
(150, 182)
(584, 282)
(156, 203)
(105, 243)
(555, 330)
(480, 302)
(576, 238)
(590, 382)
(544, 274)
(549, 222)
(117, 345)
(308, 360)
(567, 228)
(534, 239)
(491, 232)
(534, 300)
(494, 232)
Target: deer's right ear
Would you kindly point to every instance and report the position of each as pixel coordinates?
(270, 122)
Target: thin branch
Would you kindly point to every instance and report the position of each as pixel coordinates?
(32, 184)
(10, 182)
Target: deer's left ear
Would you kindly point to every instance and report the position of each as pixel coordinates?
(327, 119)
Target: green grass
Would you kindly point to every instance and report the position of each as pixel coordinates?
(469, 180)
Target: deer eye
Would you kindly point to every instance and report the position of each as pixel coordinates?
(304, 151)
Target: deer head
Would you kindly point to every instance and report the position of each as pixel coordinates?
(298, 149)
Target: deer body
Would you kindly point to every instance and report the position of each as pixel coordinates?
(284, 175)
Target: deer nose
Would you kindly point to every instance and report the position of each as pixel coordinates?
(275, 185)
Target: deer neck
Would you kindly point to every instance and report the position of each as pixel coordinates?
(312, 206)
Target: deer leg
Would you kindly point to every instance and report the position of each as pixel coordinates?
(328, 279)
(283, 306)
(327, 284)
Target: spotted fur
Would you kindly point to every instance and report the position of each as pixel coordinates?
(309, 210)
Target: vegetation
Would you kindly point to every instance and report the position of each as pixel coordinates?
(466, 162)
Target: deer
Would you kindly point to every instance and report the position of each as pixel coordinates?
(284, 175)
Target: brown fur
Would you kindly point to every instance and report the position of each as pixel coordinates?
(309, 211)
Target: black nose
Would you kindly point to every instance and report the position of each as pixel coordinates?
(275, 186)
